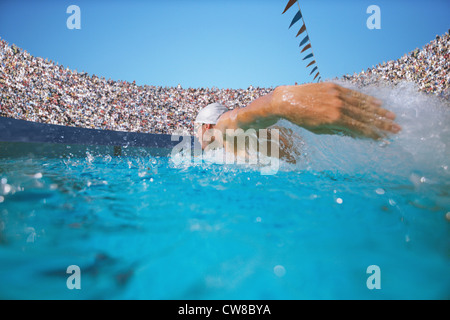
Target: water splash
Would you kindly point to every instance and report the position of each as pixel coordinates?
(421, 147)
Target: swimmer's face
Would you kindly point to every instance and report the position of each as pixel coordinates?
(204, 139)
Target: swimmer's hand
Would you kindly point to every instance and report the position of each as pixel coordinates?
(327, 108)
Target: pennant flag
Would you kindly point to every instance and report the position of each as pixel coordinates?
(306, 47)
(305, 40)
(297, 17)
(312, 62)
(302, 29)
(291, 2)
(308, 56)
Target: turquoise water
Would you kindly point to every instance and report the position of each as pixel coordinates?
(148, 228)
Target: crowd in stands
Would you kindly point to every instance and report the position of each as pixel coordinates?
(428, 67)
(35, 89)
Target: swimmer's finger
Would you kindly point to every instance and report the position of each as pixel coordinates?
(353, 95)
(359, 128)
(365, 102)
(371, 106)
(372, 119)
(362, 103)
(385, 125)
(382, 112)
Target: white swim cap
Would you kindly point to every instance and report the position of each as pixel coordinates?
(211, 113)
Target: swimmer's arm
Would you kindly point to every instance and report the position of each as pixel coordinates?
(322, 108)
(257, 115)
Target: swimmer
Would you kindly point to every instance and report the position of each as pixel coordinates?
(322, 108)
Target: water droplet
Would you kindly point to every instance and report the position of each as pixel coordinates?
(38, 175)
(6, 189)
(89, 157)
(31, 234)
(384, 143)
(142, 174)
(279, 271)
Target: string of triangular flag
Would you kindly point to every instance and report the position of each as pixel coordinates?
(305, 40)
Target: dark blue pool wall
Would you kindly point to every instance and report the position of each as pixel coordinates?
(21, 137)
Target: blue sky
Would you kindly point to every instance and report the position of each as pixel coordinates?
(227, 44)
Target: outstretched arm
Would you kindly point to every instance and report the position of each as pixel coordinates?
(322, 108)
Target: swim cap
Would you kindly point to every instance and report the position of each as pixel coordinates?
(211, 113)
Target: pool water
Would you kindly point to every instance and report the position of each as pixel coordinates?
(146, 227)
